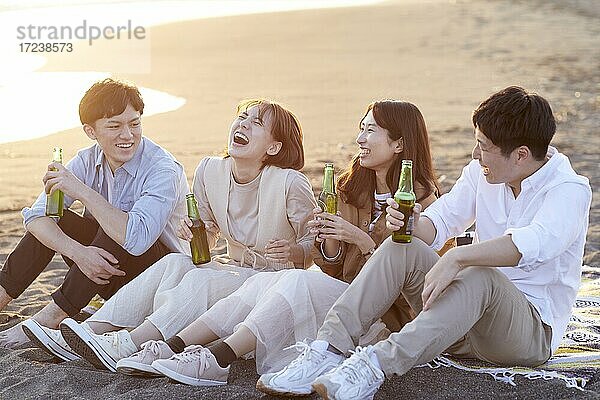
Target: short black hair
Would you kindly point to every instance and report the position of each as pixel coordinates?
(514, 117)
(108, 98)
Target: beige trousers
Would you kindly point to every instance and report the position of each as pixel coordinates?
(481, 314)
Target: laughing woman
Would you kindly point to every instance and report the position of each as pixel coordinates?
(274, 310)
(255, 197)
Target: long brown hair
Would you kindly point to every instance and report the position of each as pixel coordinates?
(401, 119)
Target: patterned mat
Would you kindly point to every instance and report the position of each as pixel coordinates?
(577, 359)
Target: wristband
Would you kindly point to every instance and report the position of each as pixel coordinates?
(334, 258)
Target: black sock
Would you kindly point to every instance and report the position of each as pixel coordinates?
(223, 353)
(176, 344)
(333, 350)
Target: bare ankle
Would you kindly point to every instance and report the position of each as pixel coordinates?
(50, 316)
(4, 298)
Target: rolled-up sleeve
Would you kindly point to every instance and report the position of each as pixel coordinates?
(554, 227)
(454, 212)
(38, 208)
(300, 202)
(150, 213)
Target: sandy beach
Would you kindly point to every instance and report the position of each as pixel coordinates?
(327, 65)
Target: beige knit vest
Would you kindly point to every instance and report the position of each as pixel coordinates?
(273, 223)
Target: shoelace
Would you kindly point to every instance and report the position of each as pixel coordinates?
(359, 367)
(151, 346)
(306, 353)
(194, 353)
(116, 343)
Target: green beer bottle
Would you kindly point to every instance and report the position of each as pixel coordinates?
(199, 243)
(327, 199)
(55, 201)
(405, 197)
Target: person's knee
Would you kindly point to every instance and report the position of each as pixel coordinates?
(174, 258)
(170, 263)
(484, 277)
(295, 275)
(195, 280)
(392, 255)
(416, 246)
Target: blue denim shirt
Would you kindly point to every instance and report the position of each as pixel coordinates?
(150, 188)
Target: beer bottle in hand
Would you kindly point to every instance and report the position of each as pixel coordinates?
(327, 199)
(199, 243)
(55, 201)
(405, 197)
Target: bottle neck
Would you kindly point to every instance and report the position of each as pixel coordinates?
(57, 156)
(192, 209)
(406, 183)
(328, 180)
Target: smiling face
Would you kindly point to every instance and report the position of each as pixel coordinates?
(118, 136)
(496, 167)
(377, 150)
(250, 136)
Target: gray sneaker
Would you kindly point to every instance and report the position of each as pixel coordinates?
(140, 363)
(196, 366)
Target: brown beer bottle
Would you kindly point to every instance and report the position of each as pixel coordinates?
(405, 197)
(199, 243)
(327, 199)
(55, 201)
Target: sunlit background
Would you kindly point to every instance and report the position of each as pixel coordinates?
(55, 95)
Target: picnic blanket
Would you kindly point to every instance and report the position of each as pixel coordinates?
(577, 359)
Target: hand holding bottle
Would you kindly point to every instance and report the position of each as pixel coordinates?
(394, 218)
(60, 178)
(184, 232)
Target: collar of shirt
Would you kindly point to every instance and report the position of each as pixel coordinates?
(131, 166)
(542, 175)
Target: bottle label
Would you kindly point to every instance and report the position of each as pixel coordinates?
(409, 225)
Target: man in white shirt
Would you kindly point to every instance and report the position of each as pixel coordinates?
(505, 299)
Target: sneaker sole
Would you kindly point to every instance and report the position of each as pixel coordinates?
(46, 343)
(321, 390)
(85, 348)
(136, 369)
(185, 379)
(266, 389)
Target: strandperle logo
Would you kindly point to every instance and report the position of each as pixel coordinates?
(84, 31)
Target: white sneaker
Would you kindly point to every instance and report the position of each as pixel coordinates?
(195, 366)
(357, 378)
(296, 379)
(49, 340)
(102, 351)
(140, 363)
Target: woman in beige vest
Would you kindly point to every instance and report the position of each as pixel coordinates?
(273, 310)
(255, 197)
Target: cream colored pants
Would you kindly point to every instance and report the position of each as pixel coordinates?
(481, 314)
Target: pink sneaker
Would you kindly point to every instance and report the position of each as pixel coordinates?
(196, 366)
(140, 363)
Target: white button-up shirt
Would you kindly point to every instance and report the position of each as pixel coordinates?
(547, 222)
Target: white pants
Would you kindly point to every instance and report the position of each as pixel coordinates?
(280, 309)
(171, 294)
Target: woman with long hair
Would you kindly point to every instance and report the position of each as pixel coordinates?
(389, 132)
(273, 310)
